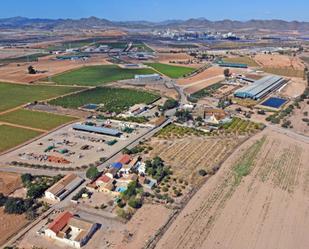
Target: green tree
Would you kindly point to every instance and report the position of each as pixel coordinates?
(26, 178)
(92, 173)
(31, 70)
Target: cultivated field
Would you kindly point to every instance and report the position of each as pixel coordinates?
(205, 85)
(190, 154)
(12, 136)
(258, 199)
(47, 66)
(34, 119)
(171, 71)
(97, 75)
(244, 60)
(13, 95)
(113, 99)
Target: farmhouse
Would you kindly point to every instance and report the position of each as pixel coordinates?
(71, 230)
(98, 130)
(63, 187)
(260, 88)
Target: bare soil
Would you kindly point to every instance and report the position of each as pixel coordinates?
(9, 182)
(264, 208)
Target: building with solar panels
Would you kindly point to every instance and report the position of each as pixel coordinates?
(261, 87)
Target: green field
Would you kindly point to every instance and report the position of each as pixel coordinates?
(287, 72)
(142, 47)
(242, 60)
(21, 59)
(70, 44)
(172, 71)
(34, 119)
(97, 75)
(13, 95)
(13, 136)
(113, 99)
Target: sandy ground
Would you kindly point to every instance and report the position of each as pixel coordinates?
(267, 209)
(179, 58)
(208, 73)
(10, 224)
(294, 88)
(298, 124)
(14, 73)
(9, 182)
(266, 60)
(197, 86)
(113, 234)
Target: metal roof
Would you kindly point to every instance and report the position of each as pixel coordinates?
(100, 130)
(260, 86)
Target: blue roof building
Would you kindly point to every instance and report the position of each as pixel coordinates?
(117, 165)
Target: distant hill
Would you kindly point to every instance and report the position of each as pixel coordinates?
(201, 23)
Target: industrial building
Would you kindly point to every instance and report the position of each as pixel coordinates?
(260, 88)
(234, 65)
(98, 130)
(71, 230)
(64, 187)
(147, 77)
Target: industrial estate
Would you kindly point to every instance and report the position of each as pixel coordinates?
(167, 137)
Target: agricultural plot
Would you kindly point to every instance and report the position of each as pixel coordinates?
(97, 75)
(242, 60)
(172, 71)
(175, 131)
(34, 119)
(141, 47)
(287, 72)
(251, 195)
(22, 59)
(188, 155)
(13, 95)
(70, 44)
(13, 136)
(111, 99)
(208, 91)
(240, 126)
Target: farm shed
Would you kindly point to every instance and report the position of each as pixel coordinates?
(98, 130)
(260, 88)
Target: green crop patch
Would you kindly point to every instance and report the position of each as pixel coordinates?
(111, 99)
(35, 119)
(13, 95)
(172, 71)
(98, 75)
(12, 136)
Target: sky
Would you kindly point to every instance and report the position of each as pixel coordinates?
(158, 10)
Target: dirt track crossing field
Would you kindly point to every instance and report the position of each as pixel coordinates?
(258, 200)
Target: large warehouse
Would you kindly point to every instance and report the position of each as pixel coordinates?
(98, 130)
(261, 88)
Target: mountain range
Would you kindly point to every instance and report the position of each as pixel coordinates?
(199, 23)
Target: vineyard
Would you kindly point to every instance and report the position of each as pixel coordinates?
(176, 131)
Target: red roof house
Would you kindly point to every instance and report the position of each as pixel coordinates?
(60, 222)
